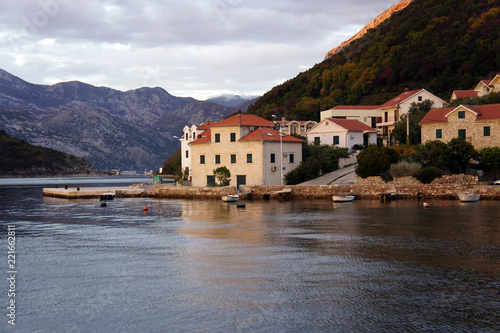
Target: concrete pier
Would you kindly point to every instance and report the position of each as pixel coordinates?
(95, 192)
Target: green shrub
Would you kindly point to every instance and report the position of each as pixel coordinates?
(427, 175)
(374, 161)
(404, 168)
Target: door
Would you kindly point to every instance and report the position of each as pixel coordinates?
(241, 180)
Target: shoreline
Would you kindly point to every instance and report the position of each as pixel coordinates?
(294, 192)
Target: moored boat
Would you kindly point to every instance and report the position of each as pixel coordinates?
(230, 198)
(467, 197)
(343, 198)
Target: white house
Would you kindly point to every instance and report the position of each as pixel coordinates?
(342, 132)
(190, 134)
(367, 114)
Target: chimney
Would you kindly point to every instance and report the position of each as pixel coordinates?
(283, 119)
(407, 89)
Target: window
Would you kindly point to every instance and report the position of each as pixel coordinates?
(202, 159)
(187, 153)
(439, 133)
(187, 136)
(249, 158)
(336, 140)
(217, 159)
(233, 158)
(292, 158)
(461, 114)
(486, 131)
(233, 137)
(273, 158)
(462, 133)
(194, 136)
(420, 98)
(217, 137)
(317, 140)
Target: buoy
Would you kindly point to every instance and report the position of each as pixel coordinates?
(145, 207)
(445, 202)
(426, 205)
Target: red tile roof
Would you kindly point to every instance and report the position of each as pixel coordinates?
(243, 119)
(352, 125)
(484, 112)
(398, 99)
(204, 126)
(204, 137)
(268, 134)
(356, 107)
(465, 93)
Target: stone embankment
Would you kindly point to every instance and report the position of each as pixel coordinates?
(446, 187)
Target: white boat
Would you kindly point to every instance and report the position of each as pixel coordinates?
(230, 198)
(343, 198)
(467, 197)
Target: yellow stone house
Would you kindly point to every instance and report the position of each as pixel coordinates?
(478, 124)
(249, 146)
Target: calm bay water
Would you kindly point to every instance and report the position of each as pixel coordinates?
(208, 266)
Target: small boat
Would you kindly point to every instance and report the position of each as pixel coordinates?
(467, 197)
(107, 196)
(230, 198)
(343, 198)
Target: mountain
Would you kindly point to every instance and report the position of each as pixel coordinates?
(439, 45)
(130, 130)
(19, 158)
(235, 101)
(372, 25)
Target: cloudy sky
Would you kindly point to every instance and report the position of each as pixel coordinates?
(195, 48)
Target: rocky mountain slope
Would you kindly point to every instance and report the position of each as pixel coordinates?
(130, 130)
(372, 25)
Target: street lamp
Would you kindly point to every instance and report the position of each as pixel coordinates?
(281, 151)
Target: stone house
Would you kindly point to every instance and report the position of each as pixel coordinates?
(478, 124)
(249, 147)
(344, 133)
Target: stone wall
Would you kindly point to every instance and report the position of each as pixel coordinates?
(184, 192)
(461, 179)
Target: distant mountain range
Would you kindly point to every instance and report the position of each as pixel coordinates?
(130, 130)
(234, 101)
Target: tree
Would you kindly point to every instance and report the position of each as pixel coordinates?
(490, 157)
(373, 161)
(462, 152)
(416, 112)
(223, 175)
(433, 154)
(172, 166)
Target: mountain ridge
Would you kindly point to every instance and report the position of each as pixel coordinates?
(127, 130)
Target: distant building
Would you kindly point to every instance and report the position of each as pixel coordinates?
(344, 133)
(249, 147)
(478, 124)
(296, 127)
(367, 114)
(484, 87)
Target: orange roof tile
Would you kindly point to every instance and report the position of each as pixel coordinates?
(484, 112)
(352, 125)
(398, 99)
(243, 119)
(465, 93)
(268, 134)
(356, 107)
(204, 137)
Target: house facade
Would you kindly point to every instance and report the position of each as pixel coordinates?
(367, 114)
(394, 110)
(344, 133)
(478, 124)
(249, 147)
(296, 127)
(190, 134)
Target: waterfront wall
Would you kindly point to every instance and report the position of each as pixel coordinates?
(186, 192)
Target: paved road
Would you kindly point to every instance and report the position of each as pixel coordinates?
(344, 176)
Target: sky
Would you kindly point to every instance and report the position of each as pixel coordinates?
(192, 48)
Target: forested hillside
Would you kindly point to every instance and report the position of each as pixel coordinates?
(18, 158)
(439, 45)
